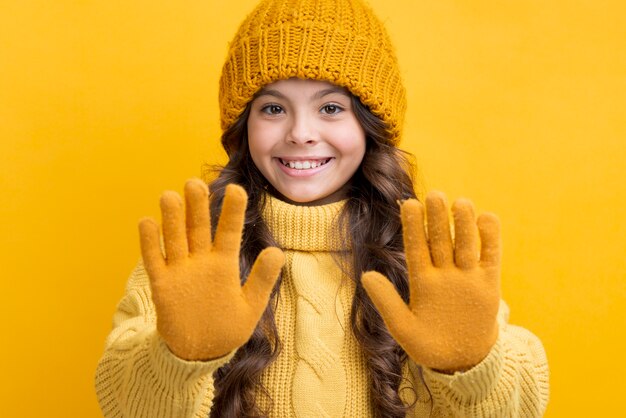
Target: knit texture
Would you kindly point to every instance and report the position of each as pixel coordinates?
(321, 370)
(340, 41)
(319, 296)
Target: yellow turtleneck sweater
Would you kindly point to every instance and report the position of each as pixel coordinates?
(321, 370)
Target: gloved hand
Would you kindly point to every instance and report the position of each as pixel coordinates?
(202, 310)
(450, 321)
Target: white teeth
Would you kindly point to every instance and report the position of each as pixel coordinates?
(304, 165)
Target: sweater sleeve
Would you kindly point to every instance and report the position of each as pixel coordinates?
(138, 376)
(512, 381)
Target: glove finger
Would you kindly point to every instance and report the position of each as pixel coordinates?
(491, 246)
(465, 234)
(174, 236)
(197, 216)
(414, 237)
(438, 229)
(395, 313)
(262, 279)
(150, 247)
(230, 224)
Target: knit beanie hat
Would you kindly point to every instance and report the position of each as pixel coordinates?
(339, 41)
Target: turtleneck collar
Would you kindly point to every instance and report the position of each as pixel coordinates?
(304, 228)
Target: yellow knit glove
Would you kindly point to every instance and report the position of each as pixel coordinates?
(450, 321)
(202, 310)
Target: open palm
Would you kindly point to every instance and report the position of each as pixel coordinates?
(202, 310)
(450, 321)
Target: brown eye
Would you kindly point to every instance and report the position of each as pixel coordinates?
(331, 109)
(272, 109)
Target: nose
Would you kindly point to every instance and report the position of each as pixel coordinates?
(302, 130)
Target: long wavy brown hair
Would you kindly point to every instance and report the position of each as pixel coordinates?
(371, 218)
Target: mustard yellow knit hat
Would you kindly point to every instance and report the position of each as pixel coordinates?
(340, 41)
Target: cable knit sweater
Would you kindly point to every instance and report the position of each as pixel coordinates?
(321, 370)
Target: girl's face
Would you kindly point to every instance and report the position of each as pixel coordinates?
(305, 139)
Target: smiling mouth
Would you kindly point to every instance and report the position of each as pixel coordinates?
(304, 164)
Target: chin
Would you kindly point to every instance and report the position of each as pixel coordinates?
(298, 198)
(302, 199)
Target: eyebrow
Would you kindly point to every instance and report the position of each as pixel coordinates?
(330, 90)
(316, 96)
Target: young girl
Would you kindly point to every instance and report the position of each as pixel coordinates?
(312, 282)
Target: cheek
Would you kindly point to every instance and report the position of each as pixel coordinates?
(357, 149)
(259, 143)
(352, 148)
(260, 157)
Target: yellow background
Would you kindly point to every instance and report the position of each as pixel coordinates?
(519, 105)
